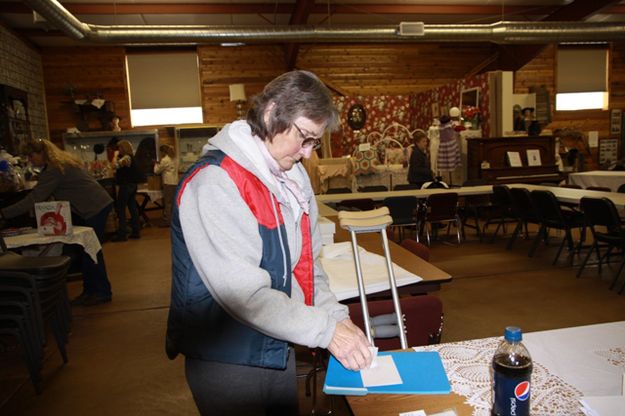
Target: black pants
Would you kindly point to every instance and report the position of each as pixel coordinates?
(229, 389)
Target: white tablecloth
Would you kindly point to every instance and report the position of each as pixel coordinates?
(153, 195)
(606, 178)
(85, 236)
(388, 176)
(568, 363)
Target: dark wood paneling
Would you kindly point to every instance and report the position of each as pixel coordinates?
(89, 72)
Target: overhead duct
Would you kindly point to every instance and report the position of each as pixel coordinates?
(501, 32)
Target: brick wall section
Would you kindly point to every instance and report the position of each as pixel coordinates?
(20, 67)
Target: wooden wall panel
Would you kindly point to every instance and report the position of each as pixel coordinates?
(253, 66)
(90, 72)
(541, 72)
(391, 69)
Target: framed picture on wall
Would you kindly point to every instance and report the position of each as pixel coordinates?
(615, 121)
(470, 97)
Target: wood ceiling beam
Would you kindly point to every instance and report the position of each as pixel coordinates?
(298, 17)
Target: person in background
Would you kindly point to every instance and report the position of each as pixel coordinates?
(127, 176)
(419, 170)
(168, 170)
(247, 283)
(63, 177)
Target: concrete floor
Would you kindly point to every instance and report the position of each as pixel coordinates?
(117, 363)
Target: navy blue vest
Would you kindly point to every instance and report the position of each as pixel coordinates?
(198, 326)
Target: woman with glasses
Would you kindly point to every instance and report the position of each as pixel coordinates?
(247, 284)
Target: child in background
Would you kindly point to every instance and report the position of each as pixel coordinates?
(166, 167)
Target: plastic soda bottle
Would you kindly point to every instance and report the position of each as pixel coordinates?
(512, 367)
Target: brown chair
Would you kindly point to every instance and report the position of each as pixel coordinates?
(423, 319)
(416, 248)
(599, 188)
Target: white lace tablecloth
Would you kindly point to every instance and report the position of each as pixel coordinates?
(568, 363)
(85, 236)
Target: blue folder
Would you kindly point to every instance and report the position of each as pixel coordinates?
(421, 373)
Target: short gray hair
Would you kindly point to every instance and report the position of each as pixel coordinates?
(295, 94)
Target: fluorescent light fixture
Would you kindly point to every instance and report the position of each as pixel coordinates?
(165, 116)
(582, 101)
(231, 44)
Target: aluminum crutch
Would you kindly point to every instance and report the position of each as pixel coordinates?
(358, 222)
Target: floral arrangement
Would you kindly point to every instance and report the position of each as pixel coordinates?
(471, 114)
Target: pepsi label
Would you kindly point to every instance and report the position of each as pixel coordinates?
(511, 390)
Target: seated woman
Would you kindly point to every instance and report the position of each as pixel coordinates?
(64, 178)
(419, 171)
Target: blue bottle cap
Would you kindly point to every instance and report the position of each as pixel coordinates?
(513, 334)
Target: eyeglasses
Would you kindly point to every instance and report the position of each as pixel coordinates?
(313, 142)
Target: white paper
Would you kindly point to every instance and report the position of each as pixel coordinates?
(593, 139)
(374, 352)
(385, 374)
(515, 159)
(533, 157)
(414, 413)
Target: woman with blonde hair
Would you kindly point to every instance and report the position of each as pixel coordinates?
(64, 178)
(166, 167)
(128, 176)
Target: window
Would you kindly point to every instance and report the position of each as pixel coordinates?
(582, 78)
(164, 88)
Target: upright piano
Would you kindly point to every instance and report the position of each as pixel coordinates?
(488, 159)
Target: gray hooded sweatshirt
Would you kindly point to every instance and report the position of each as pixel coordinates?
(222, 237)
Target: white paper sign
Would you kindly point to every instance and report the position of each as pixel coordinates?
(533, 157)
(384, 374)
(593, 139)
(514, 158)
(53, 218)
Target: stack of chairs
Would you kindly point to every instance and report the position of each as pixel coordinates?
(33, 295)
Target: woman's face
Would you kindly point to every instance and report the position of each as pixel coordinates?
(286, 147)
(37, 159)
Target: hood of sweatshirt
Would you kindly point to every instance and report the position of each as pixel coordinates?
(236, 141)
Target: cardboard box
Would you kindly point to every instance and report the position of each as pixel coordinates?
(53, 218)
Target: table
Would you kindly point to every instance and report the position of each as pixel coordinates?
(149, 195)
(85, 236)
(568, 363)
(573, 196)
(565, 195)
(419, 193)
(607, 178)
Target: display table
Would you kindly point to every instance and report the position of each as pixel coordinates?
(147, 196)
(85, 236)
(606, 178)
(568, 363)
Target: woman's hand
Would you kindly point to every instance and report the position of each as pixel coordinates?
(350, 346)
